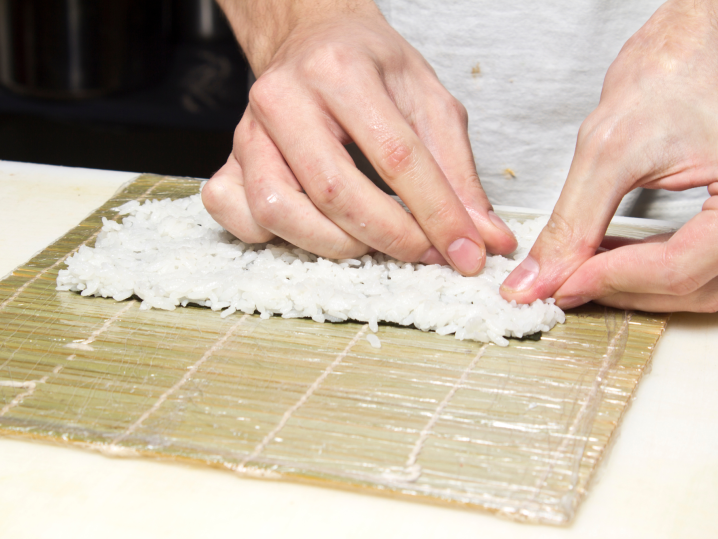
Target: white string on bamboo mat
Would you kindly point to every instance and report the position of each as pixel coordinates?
(283, 421)
(413, 470)
(187, 375)
(590, 403)
(83, 345)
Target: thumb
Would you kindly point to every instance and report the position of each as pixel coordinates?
(595, 185)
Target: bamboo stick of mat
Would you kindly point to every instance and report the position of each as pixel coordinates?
(518, 430)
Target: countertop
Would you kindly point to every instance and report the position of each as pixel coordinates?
(659, 480)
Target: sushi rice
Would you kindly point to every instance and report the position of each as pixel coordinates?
(172, 253)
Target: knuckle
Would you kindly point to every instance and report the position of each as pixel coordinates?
(255, 236)
(346, 247)
(454, 109)
(264, 204)
(326, 59)
(408, 243)
(397, 157)
(264, 95)
(681, 284)
(214, 193)
(561, 235)
(469, 189)
(400, 243)
(441, 216)
(602, 136)
(327, 191)
(217, 197)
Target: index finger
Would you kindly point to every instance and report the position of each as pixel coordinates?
(401, 158)
(441, 122)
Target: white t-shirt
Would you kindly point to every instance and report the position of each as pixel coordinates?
(529, 73)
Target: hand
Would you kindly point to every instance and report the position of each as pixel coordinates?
(332, 73)
(656, 126)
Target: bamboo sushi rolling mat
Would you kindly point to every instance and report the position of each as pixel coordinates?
(518, 430)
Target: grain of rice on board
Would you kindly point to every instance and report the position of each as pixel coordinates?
(171, 253)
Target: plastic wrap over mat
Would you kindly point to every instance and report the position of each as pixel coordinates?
(518, 430)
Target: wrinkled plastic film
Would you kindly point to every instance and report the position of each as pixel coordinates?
(517, 430)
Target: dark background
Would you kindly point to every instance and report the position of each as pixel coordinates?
(179, 124)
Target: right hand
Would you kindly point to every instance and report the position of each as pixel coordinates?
(656, 126)
(341, 74)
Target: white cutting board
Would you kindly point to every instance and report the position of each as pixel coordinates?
(660, 481)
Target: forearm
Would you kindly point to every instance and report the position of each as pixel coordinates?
(262, 26)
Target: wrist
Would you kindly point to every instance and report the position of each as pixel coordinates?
(263, 26)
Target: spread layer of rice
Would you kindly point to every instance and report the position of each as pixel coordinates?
(172, 253)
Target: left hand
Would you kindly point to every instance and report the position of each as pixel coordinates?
(656, 126)
(329, 73)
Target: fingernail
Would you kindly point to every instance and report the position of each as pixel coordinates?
(523, 276)
(432, 256)
(569, 302)
(466, 255)
(499, 223)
